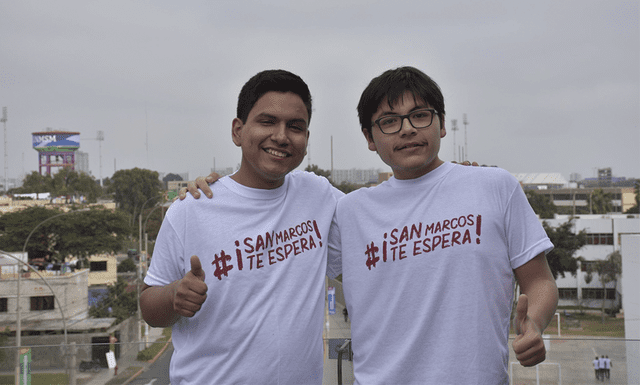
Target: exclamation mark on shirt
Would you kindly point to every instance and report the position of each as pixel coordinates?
(478, 228)
(315, 227)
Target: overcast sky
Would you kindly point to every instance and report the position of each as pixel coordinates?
(548, 86)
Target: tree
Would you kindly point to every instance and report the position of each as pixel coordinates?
(127, 265)
(346, 187)
(4, 336)
(35, 183)
(541, 204)
(600, 202)
(318, 171)
(566, 243)
(132, 188)
(82, 234)
(66, 182)
(120, 302)
(608, 270)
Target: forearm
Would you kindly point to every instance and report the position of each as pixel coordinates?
(156, 305)
(543, 301)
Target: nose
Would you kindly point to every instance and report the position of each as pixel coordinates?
(279, 134)
(406, 128)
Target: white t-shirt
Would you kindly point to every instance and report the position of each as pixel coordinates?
(428, 277)
(264, 254)
(596, 364)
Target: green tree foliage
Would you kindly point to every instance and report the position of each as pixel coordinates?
(4, 337)
(346, 187)
(600, 202)
(126, 266)
(35, 183)
(561, 259)
(318, 171)
(66, 182)
(608, 270)
(81, 234)
(120, 302)
(541, 204)
(133, 187)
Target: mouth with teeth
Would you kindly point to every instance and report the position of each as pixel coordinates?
(276, 153)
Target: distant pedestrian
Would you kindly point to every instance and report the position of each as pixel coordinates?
(596, 367)
(607, 367)
(346, 314)
(602, 367)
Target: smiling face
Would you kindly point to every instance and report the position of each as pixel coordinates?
(411, 152)
(273, 139)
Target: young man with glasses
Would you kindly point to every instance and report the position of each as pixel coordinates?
(430, 257)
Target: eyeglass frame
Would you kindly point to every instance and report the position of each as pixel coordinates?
(403, 117)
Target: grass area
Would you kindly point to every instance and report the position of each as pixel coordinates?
(150, 352)
(122, 377)
(39, 379)
(590, 325)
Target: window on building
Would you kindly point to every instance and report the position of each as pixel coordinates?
(599, 239)
(3, 305)
(42, 303)
(598, 293)
(98, 266)
(568, 293)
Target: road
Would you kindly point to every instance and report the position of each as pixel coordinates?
(158, 372)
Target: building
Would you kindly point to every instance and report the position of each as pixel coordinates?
(82, 162)
(355, 176)
(56, 149)
(103, 270)
(604, 234)
(578, 199)
(541, 181)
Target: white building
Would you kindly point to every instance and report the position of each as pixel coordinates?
(355, 176)
(604, 234)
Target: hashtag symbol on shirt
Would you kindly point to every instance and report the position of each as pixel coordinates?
(371, 254)
(221, 265)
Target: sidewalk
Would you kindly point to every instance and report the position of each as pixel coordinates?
(127, 359)
(336, 328)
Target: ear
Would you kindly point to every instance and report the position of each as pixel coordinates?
(236, 130)
(368, 136)
(443, 130)
(306, 145)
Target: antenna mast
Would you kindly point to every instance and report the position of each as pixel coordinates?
(465, 122)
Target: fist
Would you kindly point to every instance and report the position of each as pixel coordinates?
(191, 291)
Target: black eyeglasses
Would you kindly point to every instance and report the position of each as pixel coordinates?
(391, 124)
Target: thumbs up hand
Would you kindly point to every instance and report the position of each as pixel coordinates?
(528, 345)
(191, 291)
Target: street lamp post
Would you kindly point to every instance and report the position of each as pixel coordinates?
(139, 317)
(18, 317)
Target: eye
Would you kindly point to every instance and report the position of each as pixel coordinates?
(388, 121)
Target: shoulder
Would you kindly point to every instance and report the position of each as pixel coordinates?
(313, 182)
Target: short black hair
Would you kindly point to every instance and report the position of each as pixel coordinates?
(267, 81)
(391, 85)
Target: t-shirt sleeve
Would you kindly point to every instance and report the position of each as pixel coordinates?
(167, 263)
(525, 234)
(334, 250)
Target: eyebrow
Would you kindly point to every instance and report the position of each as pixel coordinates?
(416, 108)
(269, 116)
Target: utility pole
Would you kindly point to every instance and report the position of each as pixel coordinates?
(454, 128)
(6, 158)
